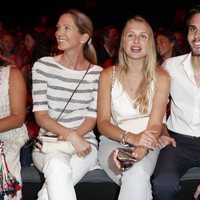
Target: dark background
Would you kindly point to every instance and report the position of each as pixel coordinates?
(102, 12)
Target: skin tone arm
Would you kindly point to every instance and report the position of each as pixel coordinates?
(165, 138)
(17, 97)
(104, 109)
(159, 102)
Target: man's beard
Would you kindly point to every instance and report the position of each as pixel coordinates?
(196, 52)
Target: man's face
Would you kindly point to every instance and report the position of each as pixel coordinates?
(194, 34)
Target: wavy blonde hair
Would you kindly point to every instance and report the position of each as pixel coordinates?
(149, 65)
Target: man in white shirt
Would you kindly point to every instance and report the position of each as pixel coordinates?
(181, 134)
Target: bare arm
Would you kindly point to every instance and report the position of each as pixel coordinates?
(165, 139)
(159, 102)
(88, 125)
(17, 97)
(104, 124)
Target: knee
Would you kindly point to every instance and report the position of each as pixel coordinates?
(137, 176)
(165, 186)
(56, 166)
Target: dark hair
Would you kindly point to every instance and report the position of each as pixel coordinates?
(171, 37)
(194, 10)
(106, 30)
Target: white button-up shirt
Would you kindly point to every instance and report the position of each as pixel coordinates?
(185, 102)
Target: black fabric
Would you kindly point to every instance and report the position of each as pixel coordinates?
(26, 153)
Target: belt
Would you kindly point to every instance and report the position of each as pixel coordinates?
(186, 136)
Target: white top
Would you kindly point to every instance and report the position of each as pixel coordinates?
(124, 112)
(185, 103)
(5, 104)
(14, 138)
(53, 85)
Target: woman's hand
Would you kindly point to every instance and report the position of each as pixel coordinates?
(124, 161)
(115, 160)
(147, 139)
(140, 152)
(82, 146)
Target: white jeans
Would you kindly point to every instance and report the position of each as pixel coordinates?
(62, 172)
(135, 182)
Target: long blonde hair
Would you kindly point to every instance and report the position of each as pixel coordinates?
(149, 65)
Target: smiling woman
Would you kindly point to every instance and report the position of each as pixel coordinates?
(71, 118)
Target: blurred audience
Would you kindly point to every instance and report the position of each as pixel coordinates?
(107, 50)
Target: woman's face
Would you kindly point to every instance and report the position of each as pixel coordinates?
(67, 33)
(136, 38)
(29, 42)
(164, 46)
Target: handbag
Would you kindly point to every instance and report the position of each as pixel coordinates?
(51, 144)
(8, 183)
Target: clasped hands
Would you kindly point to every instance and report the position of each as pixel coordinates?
(81, 145)
(144, 142)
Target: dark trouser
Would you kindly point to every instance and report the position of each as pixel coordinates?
(172, 163)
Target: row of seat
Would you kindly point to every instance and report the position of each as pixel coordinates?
(97, 185)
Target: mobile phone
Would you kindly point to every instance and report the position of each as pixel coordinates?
(125, 154)
(125, 158)
(49, 138)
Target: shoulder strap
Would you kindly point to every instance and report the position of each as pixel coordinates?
(111, 104)
(73, 92)
(113, 75)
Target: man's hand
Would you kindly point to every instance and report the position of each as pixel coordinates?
(164, 140)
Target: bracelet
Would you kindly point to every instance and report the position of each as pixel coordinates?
(123, 135)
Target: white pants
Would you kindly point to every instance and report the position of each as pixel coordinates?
(135, 182)
(62, 172)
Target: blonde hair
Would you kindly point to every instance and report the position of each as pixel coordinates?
(84, 25)
(149, 65)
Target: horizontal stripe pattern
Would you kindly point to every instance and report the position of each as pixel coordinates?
(53, 85)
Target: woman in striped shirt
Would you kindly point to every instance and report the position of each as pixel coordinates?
(54, 80)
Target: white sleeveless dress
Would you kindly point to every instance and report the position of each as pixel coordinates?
(135, 183)
(13, 139)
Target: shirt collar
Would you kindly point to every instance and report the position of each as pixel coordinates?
(187, 67)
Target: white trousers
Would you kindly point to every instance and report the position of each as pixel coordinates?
(62, 172)
(135, 182)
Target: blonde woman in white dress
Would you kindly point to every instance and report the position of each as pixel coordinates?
(132, 100)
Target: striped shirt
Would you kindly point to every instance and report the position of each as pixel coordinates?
(53, 85)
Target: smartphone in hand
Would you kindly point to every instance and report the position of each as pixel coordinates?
(126, 158)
